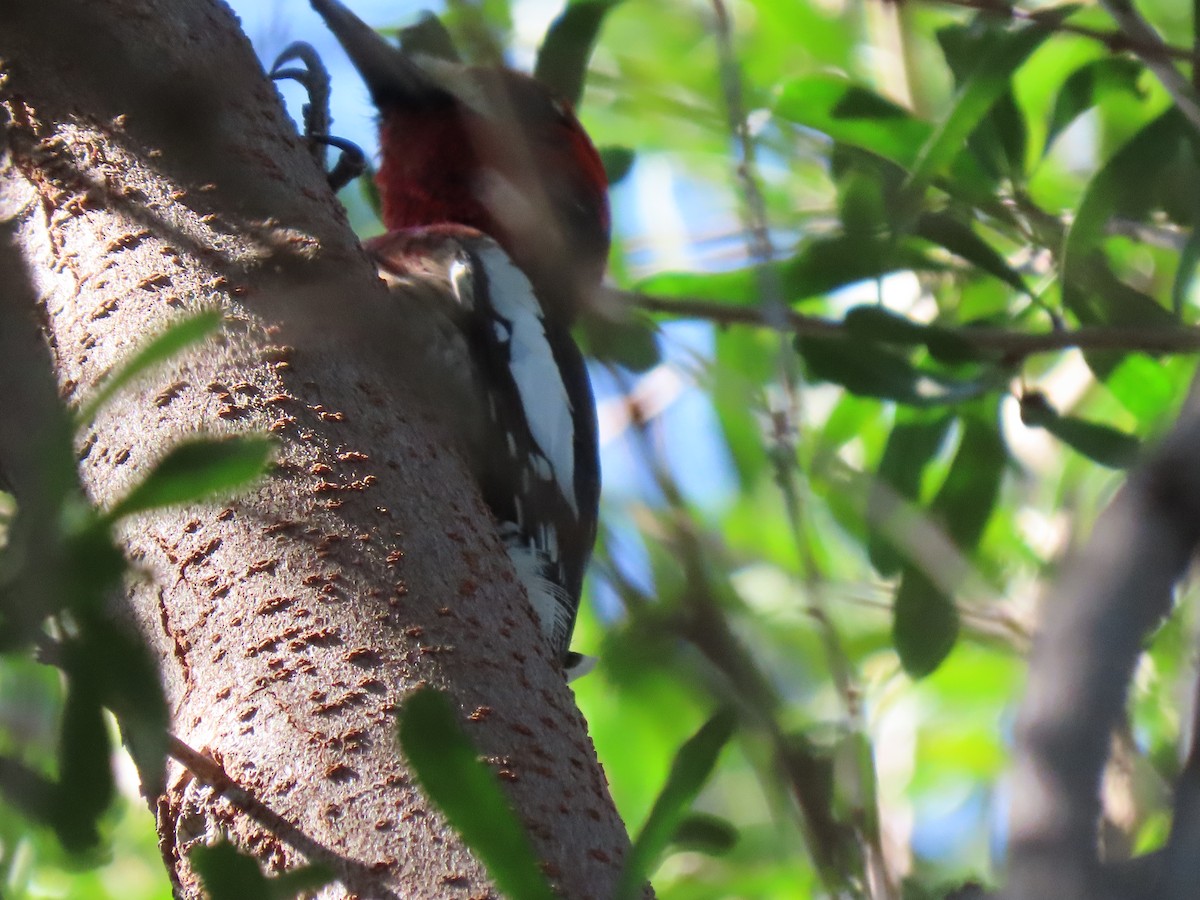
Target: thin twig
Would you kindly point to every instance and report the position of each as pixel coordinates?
(209, 772)
(1150, 49)
(1116, 41)
(1001, 343)
(784, 417)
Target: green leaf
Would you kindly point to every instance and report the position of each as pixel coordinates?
(989, 80)
(967, 497)
(86, 785)
(960, 239)
(228, 874)
(563, 58)
(706, 834)
(178, 336)
(1185, 275)
(871, 322)
(1148, 387)
(925, 627)
(870, 369)
(861, 204)
(196, 470)
(631, 343)
(1087, 86)
(119, 664)
(1099, 443)
(468, 794)
(691, 769)
(1090, 289)
(999, 139)
(618, 163)
(913, 443)
(854, 115)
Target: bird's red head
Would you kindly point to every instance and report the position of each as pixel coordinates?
(489, 148)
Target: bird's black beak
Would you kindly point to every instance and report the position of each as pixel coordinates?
(391, 76)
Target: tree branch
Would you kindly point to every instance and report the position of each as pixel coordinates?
(1003, 344)
(1117, 590)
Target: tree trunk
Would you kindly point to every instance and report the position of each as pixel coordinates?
(149, 170)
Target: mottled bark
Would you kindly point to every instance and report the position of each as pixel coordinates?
(149, 170)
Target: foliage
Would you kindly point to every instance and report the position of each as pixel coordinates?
(58, 561)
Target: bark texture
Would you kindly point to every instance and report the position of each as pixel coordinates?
(147, 170)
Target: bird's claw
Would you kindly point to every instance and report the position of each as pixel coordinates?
(314, 77)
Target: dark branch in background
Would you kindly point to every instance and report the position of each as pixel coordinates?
(1005, 344)
(1113, 595)
(1179, 865)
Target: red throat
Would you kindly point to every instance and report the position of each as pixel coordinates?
(427, 173)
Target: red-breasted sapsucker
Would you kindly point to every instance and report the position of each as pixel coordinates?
(496, 205)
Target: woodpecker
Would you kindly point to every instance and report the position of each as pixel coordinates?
(496, 206)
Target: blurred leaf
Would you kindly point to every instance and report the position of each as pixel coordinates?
(926, 624)
(870, 369)
(1087, 86)
(707, 834)
(968, 496)
(1090, 289)
(127, 678)
(28, 790)
(744, 365)
(1185, 275)
(186, 332)
(854, 115)
(872, 322)
(692, 767)
(861, 204)
(1148, 387)
(196, 470)
(999, 139)
(632, 343)
(86, 784)
(563, 58)
(468, 794)
(618, 163)
(913, 443)
(960, 239)
(429, 37)
(988, 81)
(926, 621)
(1097, 442)
(229, 874)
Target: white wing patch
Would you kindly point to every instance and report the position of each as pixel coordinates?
(534, 369)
